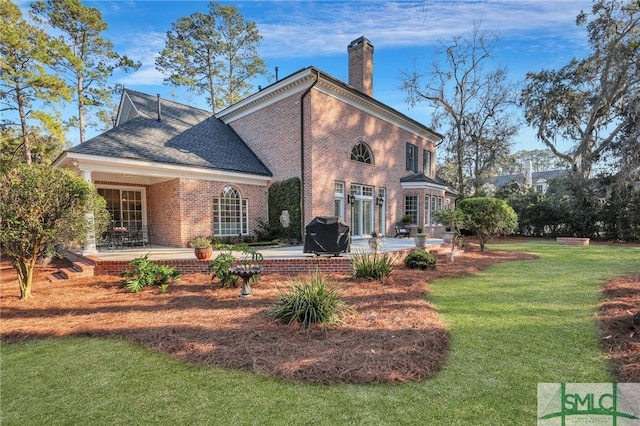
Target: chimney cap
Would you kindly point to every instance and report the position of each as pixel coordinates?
(360, 40)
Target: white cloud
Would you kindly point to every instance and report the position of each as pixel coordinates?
(147, 75)
(144, 47)
(321, 28)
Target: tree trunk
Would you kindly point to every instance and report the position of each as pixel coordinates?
(460, 165)
(25, 130)
(25, 276)
(80, 90)
(482, 240)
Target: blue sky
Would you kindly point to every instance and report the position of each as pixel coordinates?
(534, 34)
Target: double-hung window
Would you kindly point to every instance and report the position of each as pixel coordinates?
(412, 158)
(411, 208)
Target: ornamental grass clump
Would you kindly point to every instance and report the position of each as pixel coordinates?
(374, 266)
(310, 302)
(420, 259)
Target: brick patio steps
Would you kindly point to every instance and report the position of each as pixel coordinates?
(80, 268)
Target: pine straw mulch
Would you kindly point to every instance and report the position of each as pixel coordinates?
(620, 338)
(394, 336)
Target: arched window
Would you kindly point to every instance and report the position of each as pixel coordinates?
(230, 213)
(362, 153)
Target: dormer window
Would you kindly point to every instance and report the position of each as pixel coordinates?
(362, 153)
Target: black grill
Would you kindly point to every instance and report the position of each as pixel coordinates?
(327, 235)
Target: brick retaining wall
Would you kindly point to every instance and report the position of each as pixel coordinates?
(293, 266)
(573, 241)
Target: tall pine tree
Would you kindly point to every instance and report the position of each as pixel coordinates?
(28, 87)
(94, 58)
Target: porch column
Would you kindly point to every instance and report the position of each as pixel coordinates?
(90, 239)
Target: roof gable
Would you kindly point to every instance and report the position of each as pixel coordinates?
(183, 136)
(313, 78)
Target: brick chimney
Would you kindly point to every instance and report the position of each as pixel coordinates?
(361, 65)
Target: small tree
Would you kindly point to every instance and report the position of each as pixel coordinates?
(454, 221)
(39, 206)
(485, 216)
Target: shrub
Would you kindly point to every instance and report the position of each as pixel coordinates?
(221, 269)
(372, 265)
(420, 259)
(265, 231)
(485, 216)
(145, 273)
(312, 302)
(43, 205)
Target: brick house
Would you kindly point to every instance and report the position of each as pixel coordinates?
(178, 172)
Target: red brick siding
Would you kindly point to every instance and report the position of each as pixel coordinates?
(332, 127)
(182, 209)
(336, 128)
(273, 133)
(163, 213)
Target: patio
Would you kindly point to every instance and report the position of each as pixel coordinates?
(277, 260)
(289, 252)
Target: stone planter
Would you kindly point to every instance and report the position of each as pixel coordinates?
(573, 241)
(420, 240)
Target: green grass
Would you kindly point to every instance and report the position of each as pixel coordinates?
(512, 326)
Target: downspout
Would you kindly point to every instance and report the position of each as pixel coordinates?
(302, 168)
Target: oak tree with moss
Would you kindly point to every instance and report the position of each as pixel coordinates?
(590, 107)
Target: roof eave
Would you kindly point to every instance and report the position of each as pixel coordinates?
(126, 166)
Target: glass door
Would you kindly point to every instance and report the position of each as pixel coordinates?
(125, 207)
(362, 203)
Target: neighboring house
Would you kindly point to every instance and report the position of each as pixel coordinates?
(537, 181)
(179, 172)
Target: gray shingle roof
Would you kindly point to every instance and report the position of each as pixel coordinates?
(422, 178)
(185, 136)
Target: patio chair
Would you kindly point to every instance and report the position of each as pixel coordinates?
(402, 230)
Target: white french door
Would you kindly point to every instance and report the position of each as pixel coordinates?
(362, 207)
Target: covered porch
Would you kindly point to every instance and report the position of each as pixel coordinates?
(165, 205)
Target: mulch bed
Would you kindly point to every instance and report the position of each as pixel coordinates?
(620, 337)
(394, 336)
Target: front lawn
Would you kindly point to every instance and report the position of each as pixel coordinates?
(511, 327)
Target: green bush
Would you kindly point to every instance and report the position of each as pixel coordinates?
(220, 268)
(420, 259)
(312, 302)
(486, 216)
(374, 266)
(145, 273)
